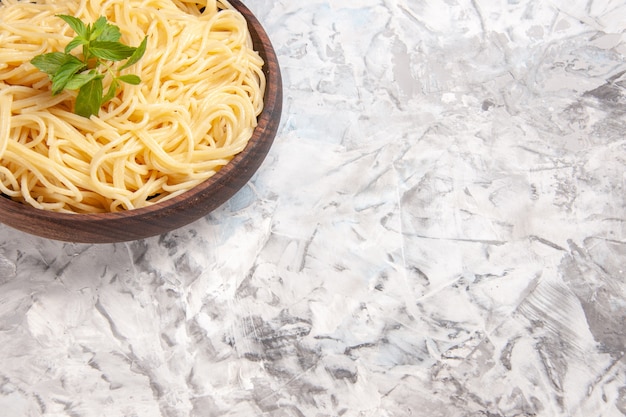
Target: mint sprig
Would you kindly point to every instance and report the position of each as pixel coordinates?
(84, 72)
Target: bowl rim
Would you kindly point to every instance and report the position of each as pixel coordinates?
(243, 165)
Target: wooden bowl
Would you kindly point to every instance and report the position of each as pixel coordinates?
(178, 211)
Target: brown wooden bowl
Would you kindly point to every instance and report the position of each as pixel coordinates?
(178, 211)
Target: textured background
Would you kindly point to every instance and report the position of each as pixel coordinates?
(438, 231)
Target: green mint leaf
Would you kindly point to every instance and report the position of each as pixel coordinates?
(112, 51)
(110, 33)
(66, 71)
(136, 56)
(49, 63)
(100, 42)
(76, 24)
(97, 28)
(130, 79)
(111, 92)
(77, 41)
(89, 98)
(78, 80)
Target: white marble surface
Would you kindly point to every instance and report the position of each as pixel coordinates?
(438, 231)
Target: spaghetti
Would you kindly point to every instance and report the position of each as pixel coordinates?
(196, 107)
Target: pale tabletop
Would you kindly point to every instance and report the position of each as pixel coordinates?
(439, 230)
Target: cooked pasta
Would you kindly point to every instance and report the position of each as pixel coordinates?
(195, 108)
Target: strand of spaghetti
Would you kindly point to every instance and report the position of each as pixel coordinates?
(50, 174)
(5, 120)
(9, 185)
(98, 168)
(166, 161)
(167, 48)
(39, 166)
